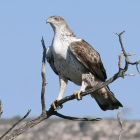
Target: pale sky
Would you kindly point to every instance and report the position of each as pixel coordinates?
(22, 25)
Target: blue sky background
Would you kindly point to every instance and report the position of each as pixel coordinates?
(23, 23)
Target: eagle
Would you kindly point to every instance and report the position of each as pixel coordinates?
(73, 59)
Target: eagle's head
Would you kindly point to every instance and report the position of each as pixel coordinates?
(59, 25)
(56, 22)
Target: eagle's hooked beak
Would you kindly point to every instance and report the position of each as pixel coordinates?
(48, 20)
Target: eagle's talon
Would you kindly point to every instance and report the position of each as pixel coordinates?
(61, 106)
(55, 106)
(78, 95)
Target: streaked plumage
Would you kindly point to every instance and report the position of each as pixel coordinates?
(73, 59)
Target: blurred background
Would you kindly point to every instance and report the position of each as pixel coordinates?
(22, 25)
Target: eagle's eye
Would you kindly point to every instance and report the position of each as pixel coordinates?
(57, 19)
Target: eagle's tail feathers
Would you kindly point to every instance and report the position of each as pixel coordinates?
(106, 100)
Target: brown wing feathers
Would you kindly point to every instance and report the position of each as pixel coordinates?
(89, 57)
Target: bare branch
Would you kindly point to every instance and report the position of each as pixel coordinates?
(124, 52)
(126, 55)
(130, 54)
(24, 127)
(119, 120)
(15, 124)
(121, 124)
(75, 118)
(129, 74)
(1, 108)
(120, 39)
(43, 78)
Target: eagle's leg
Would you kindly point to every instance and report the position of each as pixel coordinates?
(63, 83)
(83, 87)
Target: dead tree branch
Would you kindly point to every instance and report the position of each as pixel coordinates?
(43, 79)
(15, 124)
(121, 124)
(46, 114)
(12, 134)
(75, 118)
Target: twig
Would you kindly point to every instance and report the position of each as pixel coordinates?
(124, 52)
(129, 74)
(121, 125)
(75, 118)
(15, 124)
(1, 108)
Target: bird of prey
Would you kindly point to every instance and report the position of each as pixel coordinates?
(72, 58)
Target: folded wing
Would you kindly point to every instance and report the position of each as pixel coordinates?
(89, 58)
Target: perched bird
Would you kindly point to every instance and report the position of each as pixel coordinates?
(72, 58)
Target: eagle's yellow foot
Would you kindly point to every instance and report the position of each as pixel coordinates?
(78, 95)
(54, 104)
